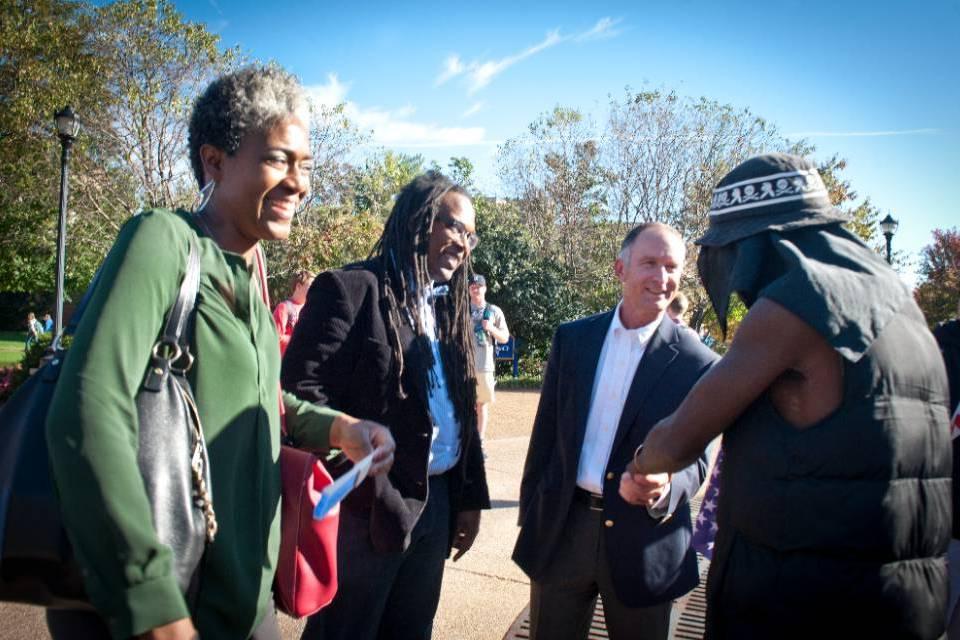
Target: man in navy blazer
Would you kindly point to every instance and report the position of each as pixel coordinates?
(609, 379)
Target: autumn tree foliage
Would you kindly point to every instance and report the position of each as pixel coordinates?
(939, 290)
(130, 69)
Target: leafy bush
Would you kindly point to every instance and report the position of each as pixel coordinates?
(522, 382)
(532, 291)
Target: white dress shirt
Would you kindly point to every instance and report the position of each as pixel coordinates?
(621, 354)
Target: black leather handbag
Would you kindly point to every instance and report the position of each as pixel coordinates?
(36, 563)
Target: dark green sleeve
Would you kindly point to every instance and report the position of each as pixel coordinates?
(92, 429)
(308, 424)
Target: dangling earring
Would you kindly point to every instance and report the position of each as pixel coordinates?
(203, 198)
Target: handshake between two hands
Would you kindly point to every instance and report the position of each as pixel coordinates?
(642, 489)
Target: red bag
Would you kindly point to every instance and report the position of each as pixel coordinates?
(306, 578)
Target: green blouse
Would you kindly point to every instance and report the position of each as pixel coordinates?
(92, 432)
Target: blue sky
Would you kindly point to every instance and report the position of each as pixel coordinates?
(877, 83)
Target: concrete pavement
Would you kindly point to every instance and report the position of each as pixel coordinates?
(485, 591)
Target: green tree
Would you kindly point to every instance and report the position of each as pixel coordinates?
(842, 195)
(460, 170)
(334, 237)
(378, 182)
(531, 289)
(131, 70)
(554, 171)
(45, 64)
(334, 139)
(156, 64)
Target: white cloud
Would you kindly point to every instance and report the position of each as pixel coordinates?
(474, 108)
(480, 73)
(330, 94)
(390, 131)
(394, 127)
(452, 67)
(405, 112)
(861, 134)
(603, 30)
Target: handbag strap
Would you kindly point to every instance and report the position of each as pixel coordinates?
(174, 343)
(173, 332)
(261, 263)
(183, 306)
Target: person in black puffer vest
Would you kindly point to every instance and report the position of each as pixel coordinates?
(834, 507)
(948, 337)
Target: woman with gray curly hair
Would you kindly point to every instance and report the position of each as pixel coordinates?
(250, 151)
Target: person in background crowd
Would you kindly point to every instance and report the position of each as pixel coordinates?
(489, 329)
(34, 329)
(47, 323)
(249, 147)
(948, 337)
(391, 339)
(678, 308)
(832, 400)
(609, 378)
(286, 313)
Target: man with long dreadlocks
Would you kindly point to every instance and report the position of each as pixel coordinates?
(391, 338)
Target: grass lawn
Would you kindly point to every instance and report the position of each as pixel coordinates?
(11, 347)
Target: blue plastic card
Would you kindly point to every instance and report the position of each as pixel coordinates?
(335, 492)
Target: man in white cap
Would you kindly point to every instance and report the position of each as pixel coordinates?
(489, 329)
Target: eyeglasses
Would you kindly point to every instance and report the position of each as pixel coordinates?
(470, 238)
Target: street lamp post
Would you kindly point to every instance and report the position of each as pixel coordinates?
(67, 128)
(889, 227)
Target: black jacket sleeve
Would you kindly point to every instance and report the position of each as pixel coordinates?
(315, 366)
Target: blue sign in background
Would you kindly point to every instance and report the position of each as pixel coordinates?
(508, 351)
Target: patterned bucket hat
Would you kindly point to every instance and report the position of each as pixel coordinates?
(772, 192)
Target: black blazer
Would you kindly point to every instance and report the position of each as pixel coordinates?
(650, 560)
(340, 356)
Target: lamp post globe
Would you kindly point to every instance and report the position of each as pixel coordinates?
(889, 226)
(68, 126)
